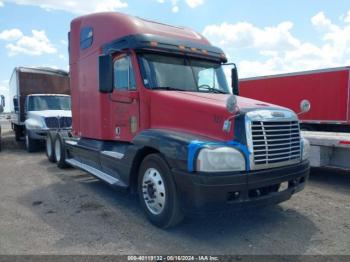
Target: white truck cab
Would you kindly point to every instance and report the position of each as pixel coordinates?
(44, 112)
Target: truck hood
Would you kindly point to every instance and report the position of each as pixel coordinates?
(220, 99)
(51, 113)
(199, 113)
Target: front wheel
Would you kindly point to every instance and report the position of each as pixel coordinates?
(18, 132)
(157, 192)
(31, 144)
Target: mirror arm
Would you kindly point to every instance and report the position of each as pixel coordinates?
(234, 80)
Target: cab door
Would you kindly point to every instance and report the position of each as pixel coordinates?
(125, 99)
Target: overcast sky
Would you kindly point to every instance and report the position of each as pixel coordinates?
(261, 36)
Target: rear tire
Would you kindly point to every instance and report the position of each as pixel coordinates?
(157, 192)
(60, 152)
(31, 144)
(50, 151)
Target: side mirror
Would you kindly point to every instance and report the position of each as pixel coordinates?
(15, 104)
(231, 104)
(2, 101)
(234, 80)
(305, 106)
(105, 73)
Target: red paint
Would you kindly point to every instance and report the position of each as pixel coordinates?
(344, 142)
(96, 115)
(327, 90)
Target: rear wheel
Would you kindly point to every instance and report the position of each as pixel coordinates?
(50, 152)
(157, 192)
(60, 152)
(31, 144)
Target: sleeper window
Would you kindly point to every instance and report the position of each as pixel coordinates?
(86, 37)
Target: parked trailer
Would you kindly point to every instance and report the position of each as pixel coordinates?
(328, 90)
(152, 114)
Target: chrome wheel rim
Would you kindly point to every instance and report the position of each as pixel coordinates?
(153, 191)
(58, 150)
(48, 146)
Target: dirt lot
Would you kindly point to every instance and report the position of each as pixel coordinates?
(45, 210)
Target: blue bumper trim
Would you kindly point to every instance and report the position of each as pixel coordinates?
(195, 146)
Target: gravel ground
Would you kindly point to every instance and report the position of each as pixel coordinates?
(45, 210)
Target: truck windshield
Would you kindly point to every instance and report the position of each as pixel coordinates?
(40, 103)
(182, 73)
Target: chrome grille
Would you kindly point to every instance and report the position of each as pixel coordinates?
(55, 122)
(275, 142)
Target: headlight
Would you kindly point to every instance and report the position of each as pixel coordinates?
(306, 149)
(34, 125)
(220, 159)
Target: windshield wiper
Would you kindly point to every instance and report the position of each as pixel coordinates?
(214, 90)
(167, 88)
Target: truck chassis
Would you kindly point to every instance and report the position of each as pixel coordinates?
(329, 149)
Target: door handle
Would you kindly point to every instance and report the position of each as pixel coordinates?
(124, 96)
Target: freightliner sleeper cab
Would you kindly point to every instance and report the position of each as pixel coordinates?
(153, 114)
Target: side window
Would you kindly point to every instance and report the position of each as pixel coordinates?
(86, 37)
(207, 77)
(124, 77)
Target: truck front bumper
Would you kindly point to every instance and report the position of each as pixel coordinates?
(40, 134)
(37, 134)
(205, 193)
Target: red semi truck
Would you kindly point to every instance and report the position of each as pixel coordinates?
(327, 124)
(328, 91)
(153, 114)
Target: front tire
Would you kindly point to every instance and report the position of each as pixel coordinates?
(18, 132)
(60, 152)
(50, 150)
(31, 144)
(157, 192)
